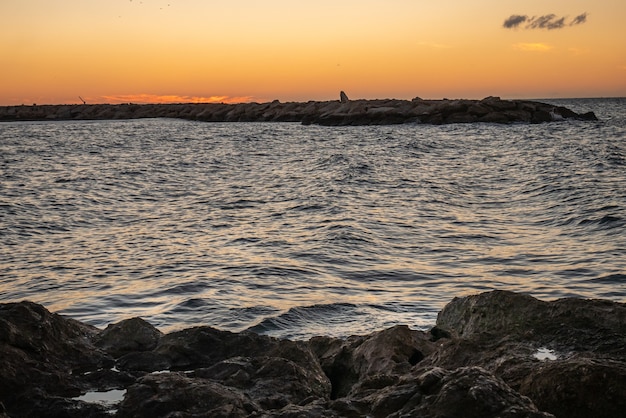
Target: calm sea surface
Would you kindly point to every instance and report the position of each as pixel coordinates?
(295, 231)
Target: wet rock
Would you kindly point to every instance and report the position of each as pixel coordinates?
(578, 387)
(462, 392)
(478, 109)
(127, 336)
(498, 104)
(574, 323)
(272, 382)
(174, 394)
(393, 351)
(473, 392)
(494, 116)
(143, 361)
(316, 409)
(587, 116)
(503, 332)
(44, 357)
(461, 118)
(496, 354)
(541, 116)
(206, 346)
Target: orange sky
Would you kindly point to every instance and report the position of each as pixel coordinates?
(249, 50)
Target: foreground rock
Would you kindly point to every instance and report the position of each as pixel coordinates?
(497, 354)
(330, 113)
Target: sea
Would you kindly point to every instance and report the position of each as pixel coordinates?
(295, 231)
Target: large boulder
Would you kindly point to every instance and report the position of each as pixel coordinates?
(568, 355)
(580, 324)
(393, 351)
(45, 359)
(472, 392)
(174, 394)
(128, 336)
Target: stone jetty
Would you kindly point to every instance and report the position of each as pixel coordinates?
(495, 354)
(343, 112)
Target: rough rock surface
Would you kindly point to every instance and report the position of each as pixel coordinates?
(330, 113)
(128, 336)
(496, 354)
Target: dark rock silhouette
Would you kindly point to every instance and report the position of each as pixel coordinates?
(331, 113)
(496, 354)
(130, 335)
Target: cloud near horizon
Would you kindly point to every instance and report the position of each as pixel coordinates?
(164, 99)
(549, 21)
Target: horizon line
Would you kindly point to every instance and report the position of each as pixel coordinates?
(235, 101)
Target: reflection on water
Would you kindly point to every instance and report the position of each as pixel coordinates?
(300, 230)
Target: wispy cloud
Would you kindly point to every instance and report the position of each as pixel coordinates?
(156, 99)
(549, 21)
(533, 47)
(579, 19)
(514, 21)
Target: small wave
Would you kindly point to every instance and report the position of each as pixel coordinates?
(333, 160)
(604, 222)
(312, 207)
(193, 303)
(389, 276)
(346, 234)
(241, 204)
(208, 312)
(611, 278)
(280, 271)
(303, 317)
(470, 237)
(132, 173)
(64, 180)
(607, 221)
(244, 240)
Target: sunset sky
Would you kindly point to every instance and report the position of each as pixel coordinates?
(112, 51)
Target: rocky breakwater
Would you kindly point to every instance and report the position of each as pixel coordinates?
(330, 113)
(496, 354)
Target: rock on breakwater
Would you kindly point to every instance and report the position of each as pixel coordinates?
(478, 361)
(329, 113)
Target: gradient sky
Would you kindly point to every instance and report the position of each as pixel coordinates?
(53, 51)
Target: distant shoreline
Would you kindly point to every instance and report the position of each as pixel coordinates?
(328, 113)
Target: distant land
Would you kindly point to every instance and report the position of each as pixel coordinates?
(343, 112)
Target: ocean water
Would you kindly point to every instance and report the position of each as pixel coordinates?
(295, 231)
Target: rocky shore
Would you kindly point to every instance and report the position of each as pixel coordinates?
(496, 354)
(329, 113)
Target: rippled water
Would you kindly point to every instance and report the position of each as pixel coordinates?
(297, 230)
